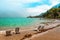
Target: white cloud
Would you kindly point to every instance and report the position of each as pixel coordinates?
(17, 5)
(41, 8)
(54, 2)
(38, 10)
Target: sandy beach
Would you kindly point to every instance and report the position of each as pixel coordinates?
(52, 33)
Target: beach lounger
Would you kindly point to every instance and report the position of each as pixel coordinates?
(40, 28)
(17, 31)
(8, 33)
(37, 28)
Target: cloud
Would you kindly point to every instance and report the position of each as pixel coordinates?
(54, 2)
(38, 10)
(27, 7)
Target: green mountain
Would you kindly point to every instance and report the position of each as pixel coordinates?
(54, 12)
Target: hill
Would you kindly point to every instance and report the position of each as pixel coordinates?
(54, 12)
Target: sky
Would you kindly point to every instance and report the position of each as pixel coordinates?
(24, 8)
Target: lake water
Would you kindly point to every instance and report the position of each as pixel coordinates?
(19, 22)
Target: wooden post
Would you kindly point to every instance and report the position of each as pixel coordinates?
(17, 31)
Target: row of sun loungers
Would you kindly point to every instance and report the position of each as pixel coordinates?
(39, 29)
(8, 32)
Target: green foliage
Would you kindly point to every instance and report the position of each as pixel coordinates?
(52, 13)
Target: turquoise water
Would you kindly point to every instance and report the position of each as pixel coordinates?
(16, 22)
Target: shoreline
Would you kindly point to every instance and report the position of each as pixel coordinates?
(29, 30)
(36, 23)
(32, 27)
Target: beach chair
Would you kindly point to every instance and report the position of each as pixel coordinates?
(17, 31)
(37, 29)
(8, 33)
(40, 28)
